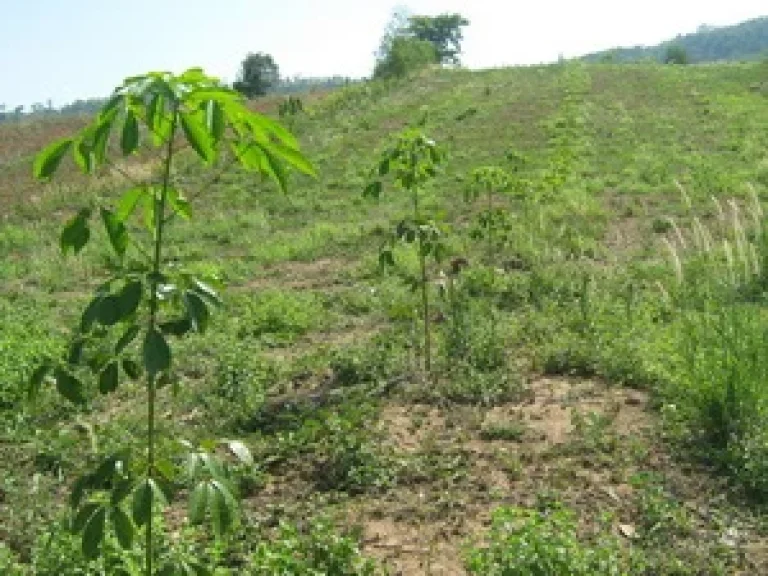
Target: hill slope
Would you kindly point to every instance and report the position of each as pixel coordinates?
(745, 41)
(585, 387)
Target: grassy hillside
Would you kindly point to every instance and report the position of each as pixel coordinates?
(599, 374)
(744, 41)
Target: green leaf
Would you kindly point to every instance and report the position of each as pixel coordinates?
(68, 386)
(118, 234)
(221, 505)
(198, 137)
(292, 158)
(108, 378)
(83, 515)
(76, 497)
(264, 128)
(109, 311)
(198, 501)
(120, 491)
(156, 353)
(197, 311)
(76, 232)
(49, 158)
(206, 292)
(129, 298)
(101, 135)
(274, 168)
(131, 368)
(83, 154)
(125, 340)
(129, 139)
(128, 202)
(141, 506)
(123, 527)
(214, 119)
(178, 327)
(93, 535)
(179, 203)
(155, 115)
(149, 206)
(90, 314)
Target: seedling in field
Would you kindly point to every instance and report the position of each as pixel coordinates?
(413, 161)
(127, 330)
(489, 180)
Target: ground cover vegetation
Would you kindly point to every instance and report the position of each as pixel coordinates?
(593, 398)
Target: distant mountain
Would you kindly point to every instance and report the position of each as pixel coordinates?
(745, 41)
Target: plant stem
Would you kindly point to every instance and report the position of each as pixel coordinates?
(425, 309)
(424, 287)
(153, 307)
(489, 225)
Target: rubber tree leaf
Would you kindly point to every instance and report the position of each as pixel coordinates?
(93, 534)
(156, 353)
(116, 231)
(123, 527)
(108, 378)
(222, 507)
(179, 204)
(68, 386)
(129, 298)
(127, 338)
(128, 202)
(109, 310)
(84, 513)
(141, 506)
(198, 137)
(292, 158)
(76, 232)
(197, 311)
(198, 502)
(49, 158)
(129, 138)
(131, 368)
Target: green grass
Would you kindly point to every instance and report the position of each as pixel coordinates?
(314, 364)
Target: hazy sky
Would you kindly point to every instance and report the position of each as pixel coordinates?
(68, 49)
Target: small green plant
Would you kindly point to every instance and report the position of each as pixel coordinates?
(413, 161)
(126, 330)
(489, 180)
(318, 551)
(524, 542)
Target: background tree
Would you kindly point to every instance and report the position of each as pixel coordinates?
(443, 31)
(404, 56)
(676, 54)
(258, 73)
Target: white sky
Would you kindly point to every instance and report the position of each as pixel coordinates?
(68, 49)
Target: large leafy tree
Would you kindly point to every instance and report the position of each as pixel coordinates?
(258, 73)
(443, 31)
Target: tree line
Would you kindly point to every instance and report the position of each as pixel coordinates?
(745, 41)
